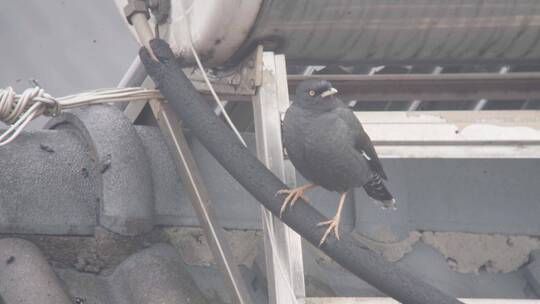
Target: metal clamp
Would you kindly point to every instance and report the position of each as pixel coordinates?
(242, 80)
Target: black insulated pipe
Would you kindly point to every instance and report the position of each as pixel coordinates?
(221, 142)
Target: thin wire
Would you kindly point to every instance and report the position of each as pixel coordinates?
(267, 218)
(19, 109)
(206, 80)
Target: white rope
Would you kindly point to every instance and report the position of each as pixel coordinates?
(18, 110)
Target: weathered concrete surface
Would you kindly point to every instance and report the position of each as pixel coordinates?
(26, 277)
(98, 254)
(155, 275)
(46, 185)
(470, 253)
(195, 250)
(392, 251)
(464, 252)
(125, 189)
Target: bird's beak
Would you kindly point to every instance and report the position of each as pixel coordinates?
(326, 93)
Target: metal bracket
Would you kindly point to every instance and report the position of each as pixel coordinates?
(239, 81)
(283, 246)
(171, 128)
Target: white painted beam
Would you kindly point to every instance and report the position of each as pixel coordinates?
(283, 247)
(454, 134)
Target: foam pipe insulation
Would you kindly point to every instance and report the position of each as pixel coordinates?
(221, 142)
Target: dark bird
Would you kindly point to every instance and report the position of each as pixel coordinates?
(328, 146)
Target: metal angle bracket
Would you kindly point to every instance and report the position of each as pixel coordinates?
(283, 247)
(193, 183)
(241, 80)
(238, 83)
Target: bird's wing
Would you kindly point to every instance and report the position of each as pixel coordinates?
(362, 142)
(330, 143)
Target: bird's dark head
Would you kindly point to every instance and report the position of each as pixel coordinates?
(315, 94)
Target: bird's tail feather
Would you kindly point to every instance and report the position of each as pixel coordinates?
(376, 189)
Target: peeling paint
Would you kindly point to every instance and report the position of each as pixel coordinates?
(445, 134)
(464, 252)
(425, 118)
(478, 131)
(470, 253)
(393, 252)
(464, 120)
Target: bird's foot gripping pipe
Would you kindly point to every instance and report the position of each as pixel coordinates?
(293, 195)
(221, 142)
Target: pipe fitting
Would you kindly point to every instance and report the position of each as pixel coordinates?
(135, 7)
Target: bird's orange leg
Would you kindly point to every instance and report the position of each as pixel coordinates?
(333, 224)
(293, 195)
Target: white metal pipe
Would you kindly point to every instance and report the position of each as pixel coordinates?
(143, 30)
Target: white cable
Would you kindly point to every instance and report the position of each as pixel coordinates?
(19, 109)
(206, 80)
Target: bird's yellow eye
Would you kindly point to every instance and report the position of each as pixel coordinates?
(311, 93)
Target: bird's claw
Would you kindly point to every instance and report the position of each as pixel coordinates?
(292, 196)
(333, 224)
